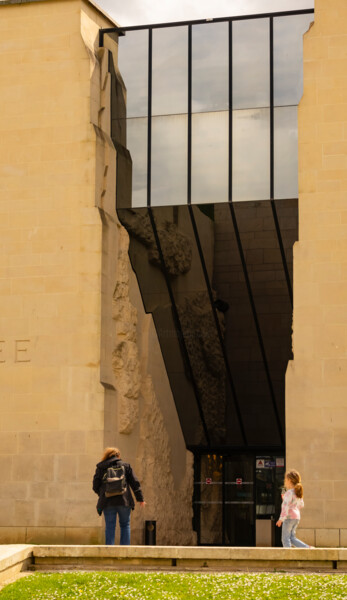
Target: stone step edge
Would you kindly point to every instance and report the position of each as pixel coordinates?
(189, 553)
(14, 558)
(23, 557)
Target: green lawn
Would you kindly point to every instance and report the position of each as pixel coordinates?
(169, 586)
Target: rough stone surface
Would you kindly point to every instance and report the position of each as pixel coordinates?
(176, 247)
(168, 504)
(125, 357)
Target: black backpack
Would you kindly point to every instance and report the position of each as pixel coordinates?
(115, 482)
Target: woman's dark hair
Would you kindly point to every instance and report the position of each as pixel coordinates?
(295, 478)
(108, 452)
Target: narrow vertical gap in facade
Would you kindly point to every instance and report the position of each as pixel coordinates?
(149, 117)
(272, 169)
(178, 325)
(189, 138)
(218, 327)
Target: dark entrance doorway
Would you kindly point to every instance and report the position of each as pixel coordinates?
(237, 498)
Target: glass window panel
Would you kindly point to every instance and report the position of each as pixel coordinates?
(251, 63)
(133, 66)
(169, 160)
(137, 146)
(210, 81)
(251, 154)
(170, 71)
(288, 58)
(210, 157)
(286, 152)
(190, 294)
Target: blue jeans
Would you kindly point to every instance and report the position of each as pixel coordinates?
(288, 534)
(110, 514)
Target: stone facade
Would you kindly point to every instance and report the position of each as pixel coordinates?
(80, 364)
(316, 388)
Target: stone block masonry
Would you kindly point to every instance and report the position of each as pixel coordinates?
(52, 401)
(316, 387)
(62, 253)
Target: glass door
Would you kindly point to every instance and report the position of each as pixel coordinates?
(239, 501)
(224, 500)
(208, 502)
(269, 478)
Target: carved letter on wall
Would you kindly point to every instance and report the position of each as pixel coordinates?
(22, 351)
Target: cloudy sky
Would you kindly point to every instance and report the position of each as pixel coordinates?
(251, 125)
(140, 12)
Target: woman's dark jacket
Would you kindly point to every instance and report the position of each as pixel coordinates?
(125, 499)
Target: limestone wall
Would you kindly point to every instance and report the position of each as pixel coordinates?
(64, 264)
(316, 388)
(140, 414)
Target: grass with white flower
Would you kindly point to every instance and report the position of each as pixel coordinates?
(176, 586)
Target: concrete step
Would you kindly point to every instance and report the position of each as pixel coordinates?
(14, 559)
(19, 558)
(179, 557)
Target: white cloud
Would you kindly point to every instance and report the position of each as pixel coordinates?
(140, 12)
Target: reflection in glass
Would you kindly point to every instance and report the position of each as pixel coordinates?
(182, 260)
(209, 157)
(137, 146)
(133, 66)
(210, 52)
(286, 152)
(211, 500)
(288, 58)
(169, 160)
(155, 295)
(239, 501)
(251, 63)
(251, 154)
(170, 71)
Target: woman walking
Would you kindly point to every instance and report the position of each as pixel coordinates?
(112, 481)
(290, 514)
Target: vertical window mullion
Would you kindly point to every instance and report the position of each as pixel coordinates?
(189, 140)
(230, 147)
(149, 117)
(272, 184)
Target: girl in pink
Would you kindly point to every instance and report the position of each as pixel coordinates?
(290, 513)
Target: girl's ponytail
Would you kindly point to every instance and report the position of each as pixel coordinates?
(299, 490)
(295, 477)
